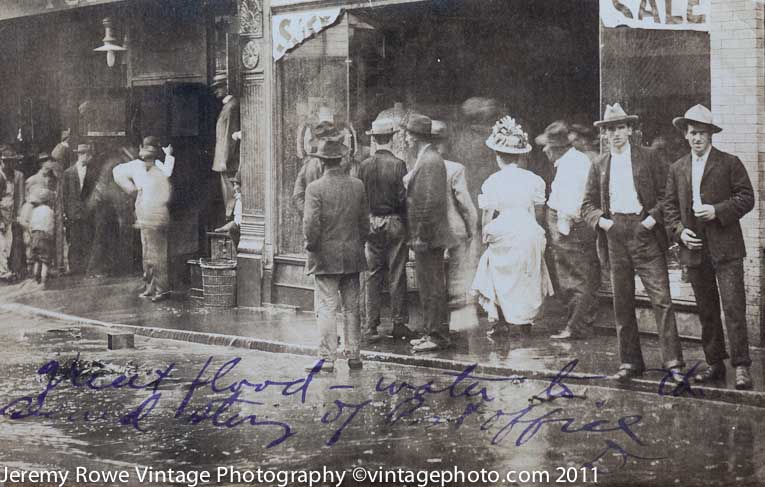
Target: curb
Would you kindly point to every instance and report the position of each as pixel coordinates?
(643, 386)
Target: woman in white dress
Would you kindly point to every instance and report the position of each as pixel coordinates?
(512, 277)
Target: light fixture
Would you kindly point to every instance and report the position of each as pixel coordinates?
(110, 47)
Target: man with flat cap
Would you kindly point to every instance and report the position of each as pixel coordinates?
(708, 192)
(572, 242)
(623, 203)
(226, 157)
(79, 183)
(429, 233)
(386, 248)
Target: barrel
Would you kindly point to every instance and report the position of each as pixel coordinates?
(219, 282)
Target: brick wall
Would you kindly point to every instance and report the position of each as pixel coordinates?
(738, 103)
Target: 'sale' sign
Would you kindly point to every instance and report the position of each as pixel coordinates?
(657, 14)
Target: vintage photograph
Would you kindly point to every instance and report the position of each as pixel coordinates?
(312, 243)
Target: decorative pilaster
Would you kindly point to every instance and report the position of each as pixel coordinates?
(255, 153)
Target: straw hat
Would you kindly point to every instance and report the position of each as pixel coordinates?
(615, 114)
(698, 114)
(508, 137)
(220, 78)
(83, 148)
(383, 126)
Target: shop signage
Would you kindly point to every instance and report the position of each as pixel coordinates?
(10, 9)
(657, 14)
(292, 29)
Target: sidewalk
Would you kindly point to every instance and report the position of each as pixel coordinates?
(115, 302)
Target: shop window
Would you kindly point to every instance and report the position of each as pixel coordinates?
(103, 113)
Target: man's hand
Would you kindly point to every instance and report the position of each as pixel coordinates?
(649, 222)
(690, 239)
(168, 150)
(705, 213)
(605, 223)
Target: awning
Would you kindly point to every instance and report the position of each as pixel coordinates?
(292, 29)
(11, 9)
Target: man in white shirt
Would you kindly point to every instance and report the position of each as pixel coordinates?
(623, 202)
(572, 241)
(703, 218)
(148, 177)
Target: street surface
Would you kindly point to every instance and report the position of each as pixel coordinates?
(159, 406)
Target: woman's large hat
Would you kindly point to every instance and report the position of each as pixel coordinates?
(698, 114)
(615, 114)
(508, 137)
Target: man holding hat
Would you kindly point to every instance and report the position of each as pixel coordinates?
(226, 158)
(79, 182)
(428, 235)
(148, 177)
(573, 242)
(11, 199)
(335, 226)
(62, 153)
(708, 192)
(386, 247)
(623, 202)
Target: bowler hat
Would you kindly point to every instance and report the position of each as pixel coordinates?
(557, 134)
(419, 124)
(10, 154)
(698, 114)
(83, 148)
(383, 126)
(220, 78)
(438, 129)
(615, 114)
(331, 148)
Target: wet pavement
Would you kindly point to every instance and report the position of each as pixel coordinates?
(116, 301)
(346, 419)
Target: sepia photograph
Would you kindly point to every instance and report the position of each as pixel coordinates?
(392, 243)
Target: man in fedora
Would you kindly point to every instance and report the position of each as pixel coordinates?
(335, 226)
(226, 157)
(462, 217)
(622, 203)
(428, 235)
(572, 242)
(148, 178)
(79, 182)
(11, 200)
(386, 247)
(708, 192)
(313, 167)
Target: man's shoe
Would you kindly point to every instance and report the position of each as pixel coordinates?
(417, 341)
(402, 331)
(625, 375)
(161, 297)
(147, 293)
(355, 363)
(327, 366)
(571, 334)
(427, 346)
(714, 372)
(743, 378)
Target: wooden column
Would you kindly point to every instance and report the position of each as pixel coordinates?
(255, 153)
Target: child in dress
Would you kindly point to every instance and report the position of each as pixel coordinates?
(41, 227)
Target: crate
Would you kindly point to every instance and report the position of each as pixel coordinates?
(221, 246)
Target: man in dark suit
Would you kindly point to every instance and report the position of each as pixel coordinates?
(79, 182)
(335, 227)
(226, 157)
(429, 232)
(622, 202)
(708, 191)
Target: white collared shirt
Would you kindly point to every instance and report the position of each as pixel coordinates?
(569, 184)
(624, 197)
(697, 172)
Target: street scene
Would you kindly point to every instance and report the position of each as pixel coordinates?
(389, 242)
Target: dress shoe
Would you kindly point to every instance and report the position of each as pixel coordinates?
(417, 341)
(625, 375)
(147, 293)
(498, 331)
(161, 297)
(402, 331)
(714, 372)
(428, 346)
(743, 378)
(569, 333)
(327, 366)
(355, 363)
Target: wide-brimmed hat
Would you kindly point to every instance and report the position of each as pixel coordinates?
(557, 134)
(331, 148)
(615, 114)
(324, 129)
(383, 126)
(419, 124)
(83, 148)
(438, 129)
(219, 79)
(43, 156)
(698, 114)
(508, 137)
(10, 154)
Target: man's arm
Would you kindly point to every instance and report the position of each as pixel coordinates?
(591, 211)
(465, 205)
(312, 219)
(741, 201)
(431, 192)
(364, 216)
(671, 208)
(658, 170)
(123, 178)
(298, 193)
